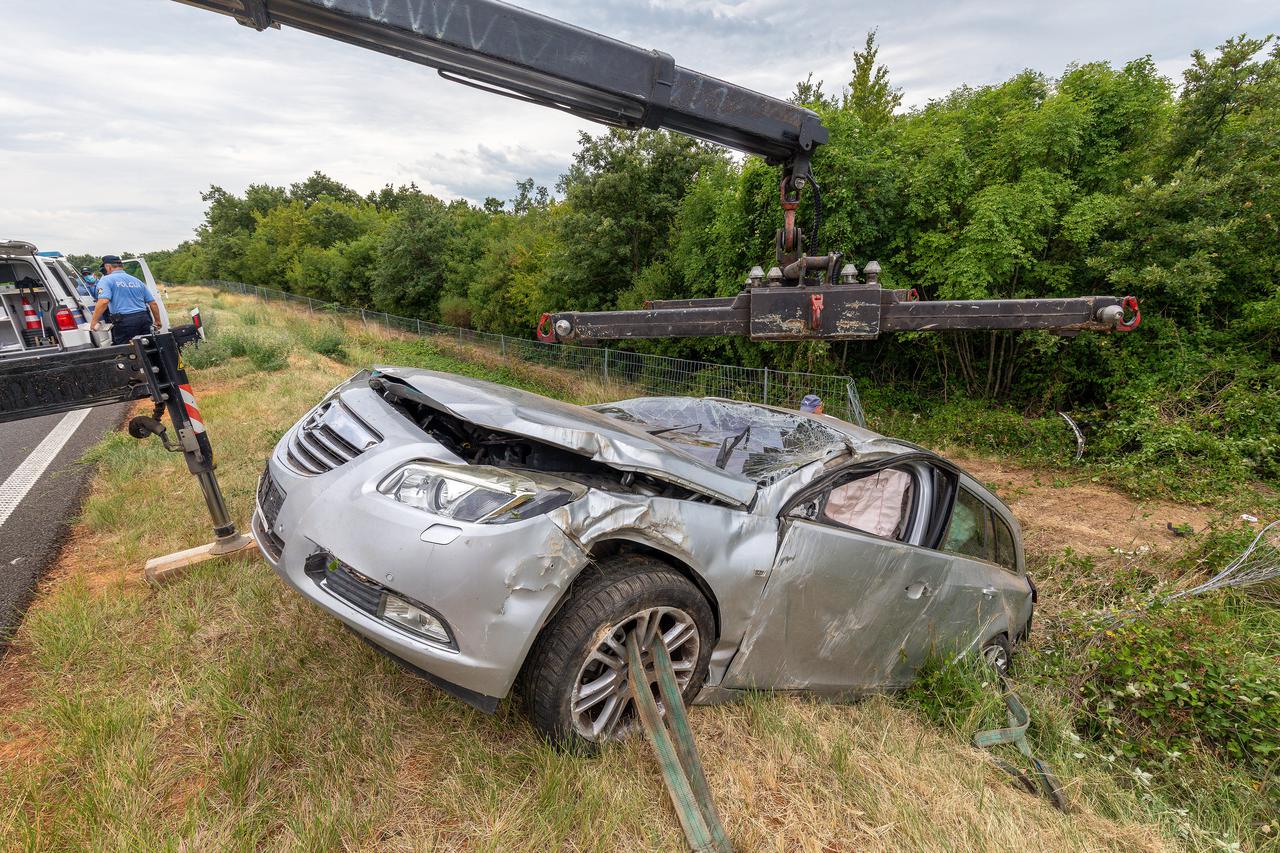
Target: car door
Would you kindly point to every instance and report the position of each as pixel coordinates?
(138, 268)
(63, 284)
(845, 610)
(988, 592)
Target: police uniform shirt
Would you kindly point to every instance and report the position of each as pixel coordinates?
(126, 294)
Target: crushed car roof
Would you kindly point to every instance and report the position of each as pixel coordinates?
(636, 435)
(760, 443)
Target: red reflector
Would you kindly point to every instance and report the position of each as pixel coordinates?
(65, 319)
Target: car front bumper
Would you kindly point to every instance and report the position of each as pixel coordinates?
(494, 585)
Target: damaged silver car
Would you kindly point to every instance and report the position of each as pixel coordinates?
(493, 539)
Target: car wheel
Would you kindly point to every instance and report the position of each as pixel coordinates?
(576, 688)
(998, 654)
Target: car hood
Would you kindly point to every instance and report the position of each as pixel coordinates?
(608, 440)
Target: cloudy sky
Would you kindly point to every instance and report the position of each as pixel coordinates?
(118, 114)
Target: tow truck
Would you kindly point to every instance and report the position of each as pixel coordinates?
(805, 295)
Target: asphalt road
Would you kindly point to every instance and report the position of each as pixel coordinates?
(38, 503)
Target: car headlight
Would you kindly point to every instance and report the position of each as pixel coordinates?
(478, 493)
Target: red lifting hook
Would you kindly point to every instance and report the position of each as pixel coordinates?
(1129, 303)
(543, 333)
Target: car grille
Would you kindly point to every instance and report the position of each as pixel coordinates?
(330, 436)
(346, 583)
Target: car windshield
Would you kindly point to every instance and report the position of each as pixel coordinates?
(741, 438)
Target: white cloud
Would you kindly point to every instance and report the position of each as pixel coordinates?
(120, 114)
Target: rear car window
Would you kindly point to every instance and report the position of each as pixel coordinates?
(1006, 552)
(970, 533)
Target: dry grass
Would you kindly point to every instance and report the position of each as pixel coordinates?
(224, 712)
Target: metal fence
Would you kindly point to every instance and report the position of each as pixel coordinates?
(626, 370)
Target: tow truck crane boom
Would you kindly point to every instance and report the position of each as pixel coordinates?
(531, 57)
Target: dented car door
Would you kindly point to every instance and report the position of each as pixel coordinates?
(989, 592)
(846, 610)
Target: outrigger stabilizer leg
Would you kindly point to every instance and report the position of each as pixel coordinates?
(171, 392)
(148, 366)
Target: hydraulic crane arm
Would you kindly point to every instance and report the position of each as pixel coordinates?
(532, 57)
(521, 54)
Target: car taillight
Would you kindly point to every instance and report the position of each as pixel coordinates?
(65, 319)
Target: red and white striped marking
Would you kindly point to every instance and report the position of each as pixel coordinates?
(192, 407)
(29, 316)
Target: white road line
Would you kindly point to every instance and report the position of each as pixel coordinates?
(15, 488)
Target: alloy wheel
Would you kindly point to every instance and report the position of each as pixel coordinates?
(602, 706)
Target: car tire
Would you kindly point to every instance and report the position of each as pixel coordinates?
(565, 676)
(998, 653)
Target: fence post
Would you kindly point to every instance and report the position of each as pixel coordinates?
(459, 334)
(766, 386)
(502, 341)
(311, 306)
(419, 322)
(606, 365)
(362, 320)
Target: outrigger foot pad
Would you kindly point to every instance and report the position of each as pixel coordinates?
(160, 569)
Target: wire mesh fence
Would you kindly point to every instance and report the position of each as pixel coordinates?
(627, 371)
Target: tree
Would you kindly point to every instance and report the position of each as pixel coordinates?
(1215, 89)
(391, 198)
(808, 93)
(622, 193)
(870, 96)
(413, 259)
(320, 185)
(528, 197)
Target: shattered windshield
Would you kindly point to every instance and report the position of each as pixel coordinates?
(740, 438)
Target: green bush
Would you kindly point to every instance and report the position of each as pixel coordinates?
(268, 354)
(961, 696)
(1175, 680)
(264, 351)
(205, 354)
(236, 342)
(327, 339)
(455, 311)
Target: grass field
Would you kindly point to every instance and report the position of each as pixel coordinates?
(224, 712)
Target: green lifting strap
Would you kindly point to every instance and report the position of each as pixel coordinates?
(681, 768)
(1016, 733)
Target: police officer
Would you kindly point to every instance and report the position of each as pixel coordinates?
(88, 283)
(811, 404)
(133, 307)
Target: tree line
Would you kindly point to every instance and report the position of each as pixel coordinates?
(1104, 179)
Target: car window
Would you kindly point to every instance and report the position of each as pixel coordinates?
(969, 533)
(59, 276)
(1006, 553)
(72, 274)
(878, 503)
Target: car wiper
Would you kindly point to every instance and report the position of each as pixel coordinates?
(729, 445)
(660, 430)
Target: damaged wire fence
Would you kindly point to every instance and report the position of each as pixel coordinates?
(628, 372)
(1258, 563)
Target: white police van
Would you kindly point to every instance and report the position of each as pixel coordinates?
(43, 308)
